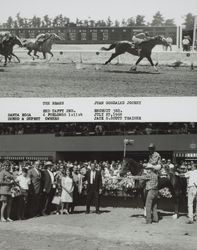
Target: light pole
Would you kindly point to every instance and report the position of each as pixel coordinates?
(127, 142)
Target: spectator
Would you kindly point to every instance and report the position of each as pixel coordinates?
(6, 182)
(186, 43)
(67, 191)
(48, 188)
(77, 181)
(192, 193)
(35, 176)
(94, 188)
(24, 181)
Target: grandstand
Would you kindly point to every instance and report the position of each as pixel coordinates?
(97, 35)
(46, 145)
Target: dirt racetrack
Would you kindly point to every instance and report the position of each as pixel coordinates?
(48, 79)
(114, 228)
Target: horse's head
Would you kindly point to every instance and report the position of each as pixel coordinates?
(15, 40)
(55, 37)
(129, 165)
(161, 40)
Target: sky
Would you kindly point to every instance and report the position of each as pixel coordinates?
(98, 9)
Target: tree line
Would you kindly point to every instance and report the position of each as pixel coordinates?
(63, 21)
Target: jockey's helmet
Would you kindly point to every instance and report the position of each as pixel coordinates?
(151, 145)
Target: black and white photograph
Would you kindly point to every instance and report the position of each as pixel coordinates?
(98, 135)
(98, 48)
(98, 185)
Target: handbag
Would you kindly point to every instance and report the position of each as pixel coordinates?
(56, 200)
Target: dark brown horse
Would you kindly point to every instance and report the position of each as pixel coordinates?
(6, 48)
(175, 183)
(143, 50)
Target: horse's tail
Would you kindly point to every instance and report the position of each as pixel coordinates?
(112, 46)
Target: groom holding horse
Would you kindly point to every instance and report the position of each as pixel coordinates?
(151, 189)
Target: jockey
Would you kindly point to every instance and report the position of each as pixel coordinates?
(4, 36)
(41, 38)
(137, 39)
(140, 37)
(154, 158)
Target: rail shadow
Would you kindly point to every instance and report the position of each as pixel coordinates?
(133, 72)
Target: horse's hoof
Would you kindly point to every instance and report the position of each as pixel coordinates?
(132, 69)
(156, 69)
(174, 216)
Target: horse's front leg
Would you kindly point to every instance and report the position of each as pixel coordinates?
(5, 62)
(151, 62)
(44, 55)
(35, 53)
(29, 53)
(51, 55)
(134, 68)
(16, 57)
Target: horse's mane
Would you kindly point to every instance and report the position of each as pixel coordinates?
(130, 165)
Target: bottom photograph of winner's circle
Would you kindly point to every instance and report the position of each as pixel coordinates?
(83, 183)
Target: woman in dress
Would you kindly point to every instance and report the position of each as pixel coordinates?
(67, 190)
(6, 183)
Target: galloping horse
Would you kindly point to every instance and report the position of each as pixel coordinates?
(44, 48)
(143, 51)
(175, 183)
(6, 48)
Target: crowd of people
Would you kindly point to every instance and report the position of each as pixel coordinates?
(31, 189)
(87, 129)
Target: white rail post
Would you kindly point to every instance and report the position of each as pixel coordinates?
(81, 58)
(125, 148)
(194, 33)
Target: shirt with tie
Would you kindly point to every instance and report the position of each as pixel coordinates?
(92, 176)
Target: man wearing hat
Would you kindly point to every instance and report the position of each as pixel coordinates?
(35, 189)
(48, 187)
(151, 178)
(154, 157)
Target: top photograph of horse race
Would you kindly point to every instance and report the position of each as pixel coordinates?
(98, 48)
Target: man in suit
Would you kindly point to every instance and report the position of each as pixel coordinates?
(94, 187)
(35, 189)
(77, 181)
(48, 187)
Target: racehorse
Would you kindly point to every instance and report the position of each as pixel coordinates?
(176, 184)
(6, 48)
(143, 51)
(44, 48)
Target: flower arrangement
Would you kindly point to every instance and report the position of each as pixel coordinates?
(127, 183)
(165, 192)
(111, 184)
